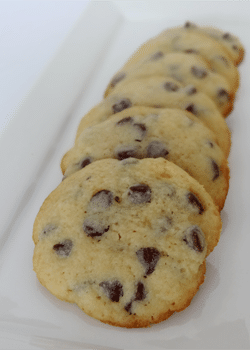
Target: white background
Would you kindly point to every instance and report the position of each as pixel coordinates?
(30, 37)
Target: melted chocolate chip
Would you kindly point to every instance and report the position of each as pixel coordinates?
(192, 108)
(126, 152)
(112, 289)
(189, 25)
(156, 56)
(139, 194)
(148, 257)
(227, 36)
(171, 86)
(216, 170)
(117, 199)
(128, 307)
(63, 248)
(191, 51)
(141, 128)
(223, 94)
(121, 105)
(195, 202)
(86, 161)
(93, 228)
(194, 238)
(118, 77)
(140, 294)
(156, 149)
(199, 72)
(101, 200)
(191, 90)
(126, 120)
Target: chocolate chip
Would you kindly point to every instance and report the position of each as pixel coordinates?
(86, 161)
(117, 199)
(195, 202)
(199, 72)
(156, 149)
(223, 94)
(141, 128)
(191, 90)
(63, 248)
(148, 257)
(48, 228)
(210, 144)
(216, 170)
(191, 108)
(112, 289)
(193, 51)
(126, 152)
(128, 307)
(101, 200)
(140, 292)
(126, 120)
(93, 228)
(171, 86)
(235, 47)
(227, 36)
(157, 56)
(121, 105)
(139, 194)
(117, 78)
(189, 25)
(195, 239)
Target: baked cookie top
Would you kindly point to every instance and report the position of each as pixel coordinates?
(186, 40)
(186, 69)
(126, 240)
(142, 132)
(230, 42)
(162, 92)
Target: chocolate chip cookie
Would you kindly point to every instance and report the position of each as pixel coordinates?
(161, 92)
(142, 132)
(186, 69)
(126, 240)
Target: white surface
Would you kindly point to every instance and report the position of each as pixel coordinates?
(30, 317)
(30, 33)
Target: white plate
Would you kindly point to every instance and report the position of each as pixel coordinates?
(31, 150)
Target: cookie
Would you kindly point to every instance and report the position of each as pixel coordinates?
(184, 40)
(142, 132)
(229, 41)
(126, 240)
(162, 92)
(185, 68)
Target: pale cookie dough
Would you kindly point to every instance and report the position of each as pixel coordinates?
(142, 132)
(126, 240)
(185, 68)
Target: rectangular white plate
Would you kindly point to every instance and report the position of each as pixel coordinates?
(31, 150)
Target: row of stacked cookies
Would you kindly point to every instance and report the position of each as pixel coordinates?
(126, 234)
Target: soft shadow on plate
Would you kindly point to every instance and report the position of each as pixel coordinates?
(227, 335)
